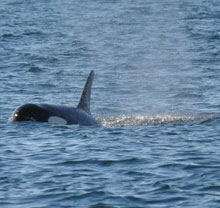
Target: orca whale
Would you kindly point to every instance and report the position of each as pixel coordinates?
(59, 114)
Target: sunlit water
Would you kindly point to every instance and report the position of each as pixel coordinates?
(155, 92)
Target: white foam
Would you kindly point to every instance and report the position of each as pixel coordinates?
(56, 120)
(124, 120)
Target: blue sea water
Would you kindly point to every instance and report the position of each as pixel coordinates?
(155, 92)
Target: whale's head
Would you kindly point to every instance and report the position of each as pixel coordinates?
(29, 112)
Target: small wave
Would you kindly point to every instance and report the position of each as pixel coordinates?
(213, 188)
(97, 162)
(144, 120)
(34, 33)
(35, 69)
(8, 35)
(101, 205)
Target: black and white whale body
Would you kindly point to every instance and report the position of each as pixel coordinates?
(59, 114)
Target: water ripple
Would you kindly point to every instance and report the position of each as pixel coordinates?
(156, 94)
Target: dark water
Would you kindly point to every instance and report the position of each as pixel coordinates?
(156, 93)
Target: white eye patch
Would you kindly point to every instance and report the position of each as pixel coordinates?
(56, 120)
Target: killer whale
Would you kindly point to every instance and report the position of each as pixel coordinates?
(57, 113)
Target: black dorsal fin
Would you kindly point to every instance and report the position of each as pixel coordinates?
(84, 102)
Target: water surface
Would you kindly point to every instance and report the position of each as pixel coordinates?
(156, 93)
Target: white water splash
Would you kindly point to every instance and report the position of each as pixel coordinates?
(138, 120)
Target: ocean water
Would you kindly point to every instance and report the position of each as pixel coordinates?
(156, 93)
